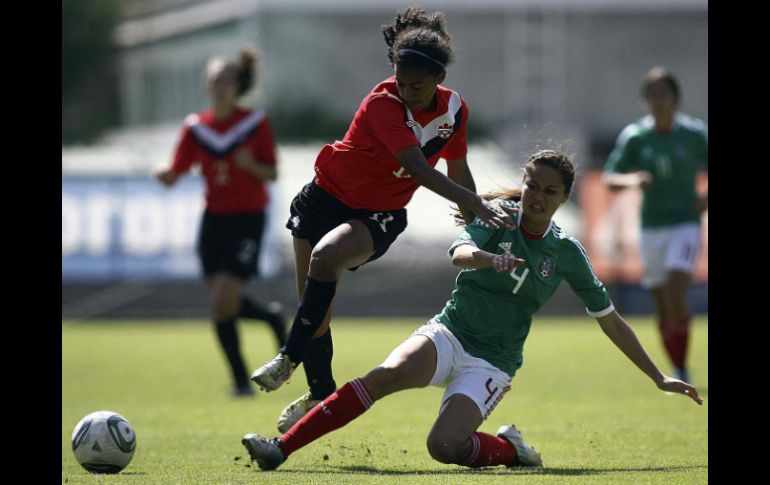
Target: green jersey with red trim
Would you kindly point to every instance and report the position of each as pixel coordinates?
(672, 158)
(490, 313)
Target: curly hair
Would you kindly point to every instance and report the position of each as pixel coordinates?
(417, 39)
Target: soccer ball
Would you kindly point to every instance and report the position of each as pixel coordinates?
(104, 442)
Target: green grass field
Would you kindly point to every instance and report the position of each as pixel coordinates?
(592, 415)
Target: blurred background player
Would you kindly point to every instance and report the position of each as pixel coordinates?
(353, 209)
(475, 345)
(236, 151)
(662, 153)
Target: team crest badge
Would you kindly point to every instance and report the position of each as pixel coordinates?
(445, 130)
(546, 268)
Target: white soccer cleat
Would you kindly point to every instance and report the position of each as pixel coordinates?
(274, 373)
(295, 411)
(527, 456)
(267, 452)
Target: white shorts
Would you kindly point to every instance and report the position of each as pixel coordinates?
(667, 249)
(462, 373)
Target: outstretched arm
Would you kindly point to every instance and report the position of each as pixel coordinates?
(624, 338)
(413, 160)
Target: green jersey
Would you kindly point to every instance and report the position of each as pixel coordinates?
(673, 158)
(490, 313)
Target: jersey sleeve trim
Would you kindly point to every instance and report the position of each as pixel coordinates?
(601, 313)
(461, 242)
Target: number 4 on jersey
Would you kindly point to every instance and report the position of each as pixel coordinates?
(519, 278)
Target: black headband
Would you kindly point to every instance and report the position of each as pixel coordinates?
(412, 51)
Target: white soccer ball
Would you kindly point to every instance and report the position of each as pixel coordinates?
(104, 442)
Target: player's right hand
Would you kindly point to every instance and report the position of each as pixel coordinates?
(504, 263)
(670, 384)
(167, 177)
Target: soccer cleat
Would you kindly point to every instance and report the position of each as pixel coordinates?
(267, 452)
(274, 373)
(294, 411)
(527, 456)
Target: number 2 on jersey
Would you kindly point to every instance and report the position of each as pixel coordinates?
(220, 166)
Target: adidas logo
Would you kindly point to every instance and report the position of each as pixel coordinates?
(96, 447)
(505, 246)
(305, 321)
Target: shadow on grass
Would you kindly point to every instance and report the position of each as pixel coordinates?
(367, 470)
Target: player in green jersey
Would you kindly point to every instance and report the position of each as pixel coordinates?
(474, 346)
(661, 153)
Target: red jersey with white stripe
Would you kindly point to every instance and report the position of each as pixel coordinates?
(362, 171)
(213, 144)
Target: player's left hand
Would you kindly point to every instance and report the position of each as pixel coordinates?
(669, 384)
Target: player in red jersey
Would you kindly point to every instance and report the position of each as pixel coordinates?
(236, 152)
(353, 209)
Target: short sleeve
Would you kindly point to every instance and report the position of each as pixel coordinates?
(458, 145)
(262, 143)
(583, 281)
(387, 120)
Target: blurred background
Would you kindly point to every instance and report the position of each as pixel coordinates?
(535, 73)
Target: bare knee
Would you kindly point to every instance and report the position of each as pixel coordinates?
(444, 448)
(324, 262)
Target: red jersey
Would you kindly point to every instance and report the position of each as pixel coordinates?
(362, 172)
(213, 144)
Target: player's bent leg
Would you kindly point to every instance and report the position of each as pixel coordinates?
(317, 364)
(449, 440)
(347, 245)
(410, 365)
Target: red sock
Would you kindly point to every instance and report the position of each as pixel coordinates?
(490, 450)
(334, 412)
(680, 336)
